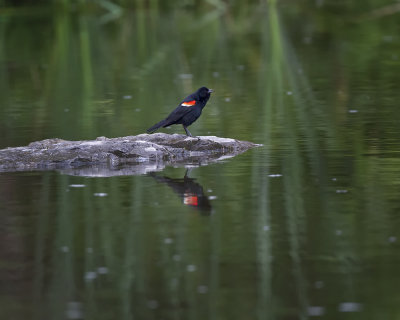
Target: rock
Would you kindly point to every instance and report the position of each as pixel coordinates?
(120, 156)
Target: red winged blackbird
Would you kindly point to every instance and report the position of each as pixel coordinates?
(187, 112)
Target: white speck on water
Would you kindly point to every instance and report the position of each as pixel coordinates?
(227, 99)
(215, 74)
(127, 97)
(66, 110)
(102, 270)
(90, 276)
(353, 111)
(138, 109)
(212, 197)
(176, 257)
(174, 282)
(77, 185)
(350, 307)
(342, 191)
(168, 240)
(266, 228)
(275, 175)
(338, 232)
(289, 93)
(64, 249)
(100, 194)
(150, 149)
(209, 190)
(191, 268)
(392, 239)
(334, 179)
(152, 304)
(387, 38)
(319, 284)
(74, 310)
(202, 289)
(185, 76)
(315, 311)
(89, 250)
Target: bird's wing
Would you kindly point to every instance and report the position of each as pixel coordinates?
(178, 113)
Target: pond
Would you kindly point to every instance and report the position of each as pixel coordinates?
(305, 226)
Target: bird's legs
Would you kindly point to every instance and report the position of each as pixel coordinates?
(187, 131)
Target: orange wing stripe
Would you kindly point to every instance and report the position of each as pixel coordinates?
(188, 103)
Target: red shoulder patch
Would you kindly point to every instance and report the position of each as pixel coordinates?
(188, 103)
(190, 199)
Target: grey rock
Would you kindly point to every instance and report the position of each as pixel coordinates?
(120, 156)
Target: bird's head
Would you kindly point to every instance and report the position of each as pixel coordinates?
(204, 93)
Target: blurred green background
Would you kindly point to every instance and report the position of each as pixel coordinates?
(307, 225)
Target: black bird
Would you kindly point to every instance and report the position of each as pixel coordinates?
(189, 190)
(188, 111)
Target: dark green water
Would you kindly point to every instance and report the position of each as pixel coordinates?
(306, 226)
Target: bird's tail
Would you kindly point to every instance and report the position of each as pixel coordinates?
(160, 124)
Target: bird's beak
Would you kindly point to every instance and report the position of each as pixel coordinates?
(210, 90)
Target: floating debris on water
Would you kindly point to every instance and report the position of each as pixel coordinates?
(275, 175)
(127, 97)
(102, 270)
(89, 250)
(202, 289)
(77, 185)
(74, 310)
(315, 311)
(353, 111)
(289, 93)
(90, 276)
(185, 76)
(350, 307)
(64, 249)
(338, 232)
(100, 194)
(176, 257)
(342, 191)
(174, 282)
(392, 239)
(227, 99)
(152, 304)
(319, 284)
(266, 228)
(191, 268)
(168, 240)
(212, 197)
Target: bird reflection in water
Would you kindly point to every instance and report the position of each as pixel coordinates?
(189, 190)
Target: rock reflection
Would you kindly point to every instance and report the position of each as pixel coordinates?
(189, 190)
